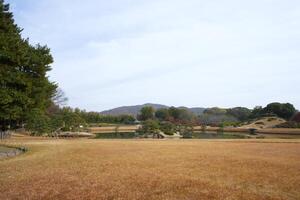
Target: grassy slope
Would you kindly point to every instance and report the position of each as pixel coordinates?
(153, 169)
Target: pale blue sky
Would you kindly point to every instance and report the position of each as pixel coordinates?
(174, 52)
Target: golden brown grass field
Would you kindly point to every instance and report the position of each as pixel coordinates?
(152, 169)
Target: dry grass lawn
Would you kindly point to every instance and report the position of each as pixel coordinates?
(152, 169)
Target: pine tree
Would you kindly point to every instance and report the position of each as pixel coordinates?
(24, 85)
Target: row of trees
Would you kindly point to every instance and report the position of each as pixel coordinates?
(215, 116)
(233, 116)
(69, 119)
(95, 117)
(168, 120)
(171, 120)
(172, 114)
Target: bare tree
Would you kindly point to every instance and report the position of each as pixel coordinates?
(60, 98)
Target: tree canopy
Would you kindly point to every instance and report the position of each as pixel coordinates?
(24, 85)
(284, 110)
(146, 113)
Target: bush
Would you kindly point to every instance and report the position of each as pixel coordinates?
(240, 113)
(216, 119)
(283, 110)
(37, 122)
(167, 127)
(148, 127)
(226, 124)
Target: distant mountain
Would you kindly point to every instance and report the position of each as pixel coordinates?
(131, 110)
(197, 110)
(134, 110)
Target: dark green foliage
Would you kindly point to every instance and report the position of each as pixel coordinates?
(94, 117)
(37, 122)
(167, 127)
(215, 111)
(174, 112)
(71, 119)
(181, 116)
(283, 110)
(241, 113)
(64, 119)
(146, 113)
(219, 116)
(162, 114)
(149, 127)
(175, 115)
(233, 116)
(217, 119)
(24, 86)
(256, 112)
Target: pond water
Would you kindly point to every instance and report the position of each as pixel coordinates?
(202, 135)
(216, 135)
(5, 149)
(128, 135)
(206, 135)
(6, 152)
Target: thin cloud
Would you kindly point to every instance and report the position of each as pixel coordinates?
(192, 53)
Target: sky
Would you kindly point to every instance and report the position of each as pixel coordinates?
(195, 53)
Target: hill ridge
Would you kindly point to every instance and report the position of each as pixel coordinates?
(134, 109)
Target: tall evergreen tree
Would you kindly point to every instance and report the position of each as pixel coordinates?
(24, 85)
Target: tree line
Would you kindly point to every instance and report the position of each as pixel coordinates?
(170, 120)
(69, 119)
(218, 115)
